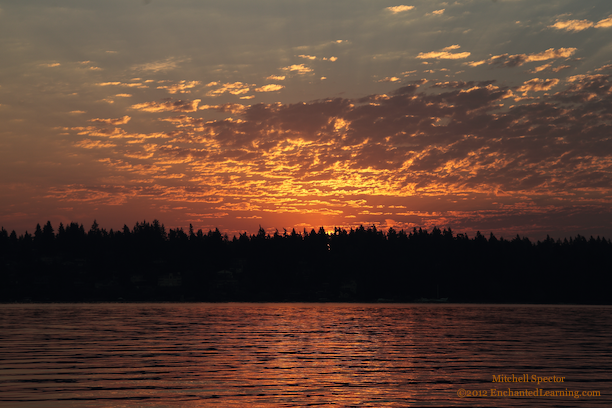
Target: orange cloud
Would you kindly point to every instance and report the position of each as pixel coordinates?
(168, 105)
(118, 121)
(93, 144)
(300, 69)
(579, 25)
(444, 54)
(572, 25)
(180, 87)
(537, 85)
(399, 9)
(520, 59)
(236, 88)
(269, 88)
(389, 79)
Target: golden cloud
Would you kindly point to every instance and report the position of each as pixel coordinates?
(520, 59)
(572, 25)
(399, 9)
(301, 69)
(605, 23)
(118, 121)
(93, 144)
(444, 54)
(269, 88)
(168, 105)
(537, 85)
(236, 88)
(180, 87)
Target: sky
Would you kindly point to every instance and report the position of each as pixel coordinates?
(479, 115)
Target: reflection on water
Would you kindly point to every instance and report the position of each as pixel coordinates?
(285, 355)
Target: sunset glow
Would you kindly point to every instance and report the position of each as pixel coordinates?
(475, 115)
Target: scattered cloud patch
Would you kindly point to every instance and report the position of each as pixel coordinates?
(180, 87)
(389, 79)
(235, 88)
(168, 105)
(93, 144)
(51, 65)
(158, 66)
(269, 88)
(300, 69)
(537, 85)
(520, 59)
(399, 9)
(117, 121)
(436, 12)
(444, 54)
(579, 25)
(605, 23)
(276, 78)
(572, 25)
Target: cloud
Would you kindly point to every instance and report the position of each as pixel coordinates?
(118, 121)
(123, 95)
(158, 66)
(451, 47)
(572, 25)
(236, 88)
(436, 12)
(310, 57)
(579, 25)
(453, 140)
(444, 54)
(276, 78)
(475, 63)
(269, 88)
(180, 87)
(51, 65)
(541, 68)
(560, 68)
(389, 79)
(605, 23)
(129, 85)
(93, 144)
(537, 85)
(77, 112)
(399, 9)
(169, 105)
(520, 59)
(226, 107)
(300, 69)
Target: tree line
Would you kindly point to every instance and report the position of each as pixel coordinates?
(150, 263)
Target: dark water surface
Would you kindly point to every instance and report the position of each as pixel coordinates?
(295, 355)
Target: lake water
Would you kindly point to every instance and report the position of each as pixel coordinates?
(297, 355)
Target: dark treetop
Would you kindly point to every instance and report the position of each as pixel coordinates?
(148, 263)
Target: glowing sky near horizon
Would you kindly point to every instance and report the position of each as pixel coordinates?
(478, 115)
